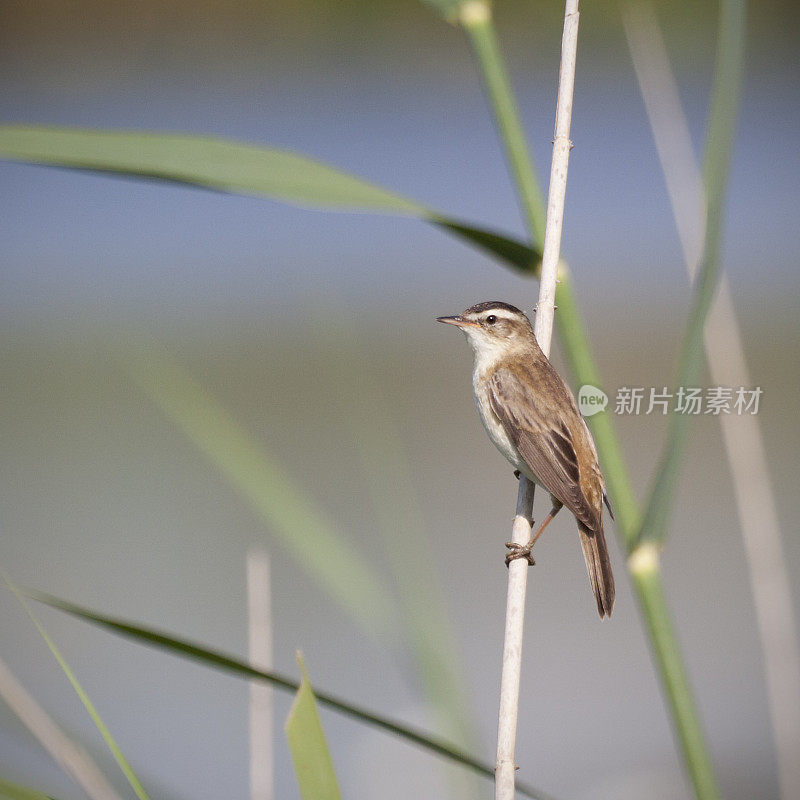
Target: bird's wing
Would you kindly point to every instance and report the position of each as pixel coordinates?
(590, 440)
(547, 444)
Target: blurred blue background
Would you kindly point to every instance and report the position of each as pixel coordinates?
(106, 503)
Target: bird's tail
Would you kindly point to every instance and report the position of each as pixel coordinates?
(598, 564)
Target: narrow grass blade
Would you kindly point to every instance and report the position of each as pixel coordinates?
(227, 663)
(111, 743)
(725, 97)
(284, 505)
(583, 368)
(767, 559)
(313, 765)
(646, 573)
(476, 19)
(13, 791)
(236, 167)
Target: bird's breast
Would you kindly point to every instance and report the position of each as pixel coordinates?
(497, 433)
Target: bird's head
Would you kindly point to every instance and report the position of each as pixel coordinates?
(494, 329)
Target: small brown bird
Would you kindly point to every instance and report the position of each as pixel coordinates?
(533, 420)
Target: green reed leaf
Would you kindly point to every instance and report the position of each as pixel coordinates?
(313, 765)
(228, 663)
(240, 168)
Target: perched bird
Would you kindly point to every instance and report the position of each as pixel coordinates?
(533, 420)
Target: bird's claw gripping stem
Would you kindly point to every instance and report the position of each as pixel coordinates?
(519, 551)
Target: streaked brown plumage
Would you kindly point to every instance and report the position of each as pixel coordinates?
(532, 418)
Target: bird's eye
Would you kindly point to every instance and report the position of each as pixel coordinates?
(491, 319)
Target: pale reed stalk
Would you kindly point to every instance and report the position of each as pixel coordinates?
(259, 618)
(72, 758)
(744, 444)
(545, 311)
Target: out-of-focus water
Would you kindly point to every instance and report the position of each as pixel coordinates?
(390, 94)
(106, 503)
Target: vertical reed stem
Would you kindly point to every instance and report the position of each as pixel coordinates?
(505, 766)
(259, 652)
(645, 569)
(476, 18)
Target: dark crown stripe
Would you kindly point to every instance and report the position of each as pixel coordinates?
(493, 305)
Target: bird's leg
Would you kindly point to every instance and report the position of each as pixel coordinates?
(524, 550)
(550, 517)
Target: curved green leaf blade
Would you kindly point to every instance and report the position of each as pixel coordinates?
(313, 765)
(521, 257)
(227, 663)
(236, 167)
(13, 791)
(203, 160)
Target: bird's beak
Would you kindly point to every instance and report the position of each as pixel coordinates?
(457, 321)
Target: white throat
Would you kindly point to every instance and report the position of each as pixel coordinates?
(486, 351)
